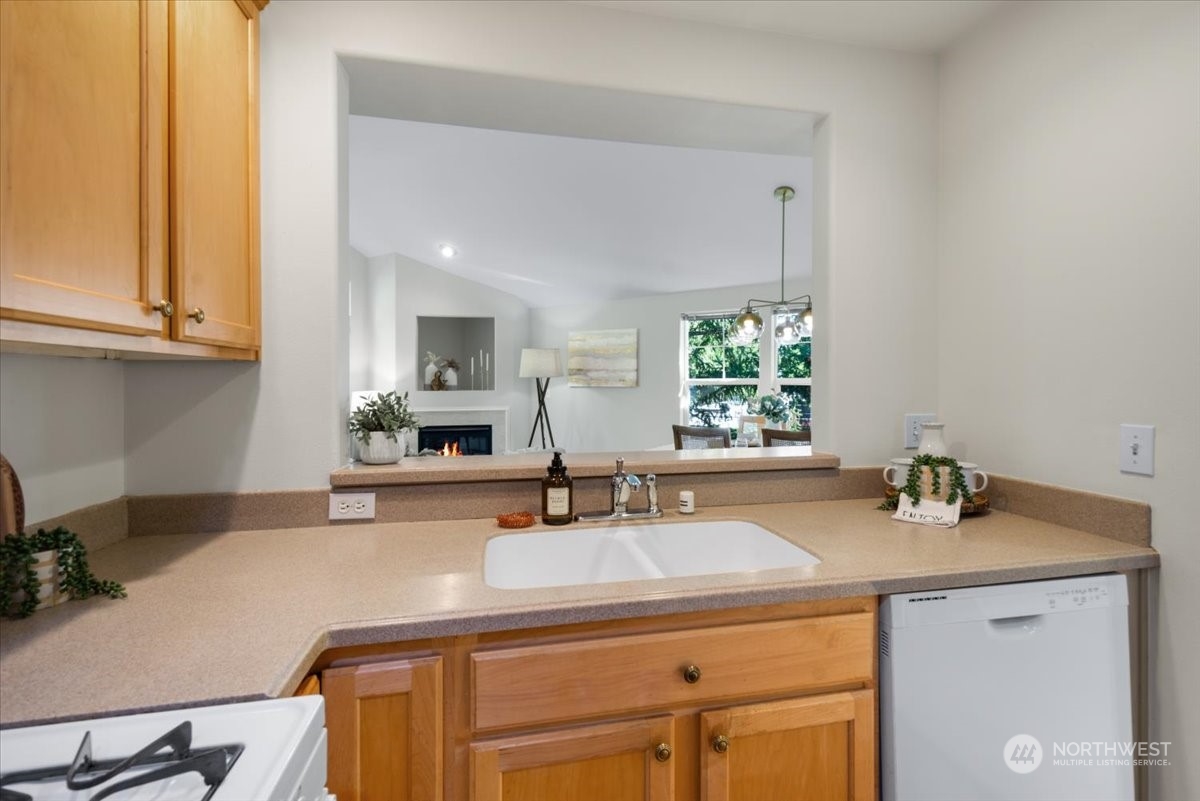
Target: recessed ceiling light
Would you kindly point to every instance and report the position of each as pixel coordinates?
(447, 251)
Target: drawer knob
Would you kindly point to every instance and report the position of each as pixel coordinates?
(691, 674)
(166, 307)
(662, 752)
(197, 314)
(720, 743)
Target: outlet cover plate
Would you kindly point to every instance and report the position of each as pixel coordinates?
(1137, 449)
(351, 506)
(912, 427)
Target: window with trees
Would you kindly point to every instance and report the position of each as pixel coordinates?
(722, 381)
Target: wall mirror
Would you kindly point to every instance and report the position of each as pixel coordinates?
(567, 209)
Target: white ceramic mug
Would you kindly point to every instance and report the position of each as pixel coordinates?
(971, 472)
(896, 474)
(899, 472)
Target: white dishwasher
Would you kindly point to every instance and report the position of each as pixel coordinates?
(1007, 692)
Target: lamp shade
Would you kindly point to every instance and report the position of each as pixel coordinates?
(540, 363)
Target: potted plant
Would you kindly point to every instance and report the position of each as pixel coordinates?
(46, 568)
(774, 407)
(376, 424)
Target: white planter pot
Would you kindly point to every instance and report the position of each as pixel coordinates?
(381, 450)
(49, 576)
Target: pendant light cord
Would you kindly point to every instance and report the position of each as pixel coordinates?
(782, 242)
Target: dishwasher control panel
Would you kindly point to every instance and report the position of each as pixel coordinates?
(999, 602)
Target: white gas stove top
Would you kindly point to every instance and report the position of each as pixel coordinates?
(274, 750)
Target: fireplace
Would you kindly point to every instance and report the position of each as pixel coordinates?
(469, 440)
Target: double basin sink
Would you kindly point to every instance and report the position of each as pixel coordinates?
(631, 552)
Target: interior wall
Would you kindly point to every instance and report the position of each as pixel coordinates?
(200, 428)
(62, 427)
(1069, 280)
(629, 418)
(231, 427)
(362, 344)
(426, 291)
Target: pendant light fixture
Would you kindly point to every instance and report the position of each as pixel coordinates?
(791, 325)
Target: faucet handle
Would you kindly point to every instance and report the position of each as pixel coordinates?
(634, 482)
(620, 464)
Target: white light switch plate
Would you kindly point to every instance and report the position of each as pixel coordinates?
(912, 427)
(1137, 449)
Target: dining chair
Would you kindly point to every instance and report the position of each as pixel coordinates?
(776, 437)
(699, 437)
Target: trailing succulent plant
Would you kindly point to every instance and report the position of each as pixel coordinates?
(17, 572)
(958, 484)
(387, 412)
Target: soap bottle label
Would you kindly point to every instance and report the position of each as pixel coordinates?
(558, 501)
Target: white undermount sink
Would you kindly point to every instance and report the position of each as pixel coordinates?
(629, 552)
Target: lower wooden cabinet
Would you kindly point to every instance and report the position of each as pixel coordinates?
(820, 748)
(774, 702)
(385, 730)
(626, 761)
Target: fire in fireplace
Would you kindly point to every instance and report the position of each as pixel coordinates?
(455, 440)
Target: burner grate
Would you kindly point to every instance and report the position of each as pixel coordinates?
(148, 765)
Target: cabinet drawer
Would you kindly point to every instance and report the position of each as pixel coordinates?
(618, 675)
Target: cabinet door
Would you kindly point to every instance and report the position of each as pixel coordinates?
(628, 761)
(385, 730)
(82, 173)
(214, 172)
(804, 749)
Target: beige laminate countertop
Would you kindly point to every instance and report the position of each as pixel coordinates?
(241, 615)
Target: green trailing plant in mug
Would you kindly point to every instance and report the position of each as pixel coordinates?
(958, 484)
(387, 412)
(17, 572)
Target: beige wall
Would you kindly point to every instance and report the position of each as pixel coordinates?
(881, 151)
(62, 426)
(1069, 281)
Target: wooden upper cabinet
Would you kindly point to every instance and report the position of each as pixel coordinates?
(82, 172)
(129, 179)
(214, 171)
(819, 748)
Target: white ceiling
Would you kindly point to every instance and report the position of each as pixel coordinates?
(559, 220)
(565, 194)
(921, 26)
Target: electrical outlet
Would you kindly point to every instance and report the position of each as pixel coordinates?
(912, 427)
(1137, 449)
(351, 506)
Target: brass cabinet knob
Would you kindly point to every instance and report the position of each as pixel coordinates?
(197, 314)
(691, 674)
(166, 307)
(720, 743)
(662, 752)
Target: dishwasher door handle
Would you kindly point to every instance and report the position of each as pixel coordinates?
(1022, 626)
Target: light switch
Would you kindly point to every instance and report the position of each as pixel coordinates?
(1137, 449)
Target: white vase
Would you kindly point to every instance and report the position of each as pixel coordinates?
(378, 449)
(931, 441)
(430, 369)
(450, 376)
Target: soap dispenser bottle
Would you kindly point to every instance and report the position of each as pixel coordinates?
(558, 499)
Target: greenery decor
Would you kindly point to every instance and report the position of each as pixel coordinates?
(17, 573)
(387, 412)
(773, 407)
(958, 484)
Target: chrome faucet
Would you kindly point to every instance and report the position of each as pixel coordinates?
(624, 485)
